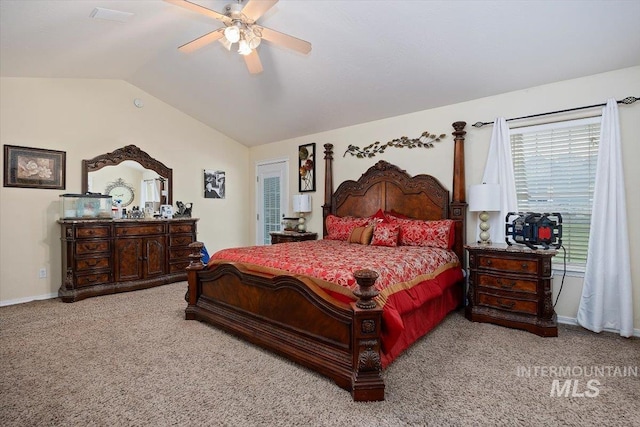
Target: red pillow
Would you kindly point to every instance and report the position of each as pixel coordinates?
(385, 234)
(340, 228)
(395, 215)
(377, 218)
(437, 234)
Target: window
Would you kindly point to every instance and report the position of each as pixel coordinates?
(555, 169)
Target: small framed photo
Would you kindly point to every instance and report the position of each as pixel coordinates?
(34, 168)
(307, 168)
(214, 184)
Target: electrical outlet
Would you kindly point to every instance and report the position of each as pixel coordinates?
(42, 273)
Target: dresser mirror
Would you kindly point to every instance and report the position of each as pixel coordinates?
(128, 170)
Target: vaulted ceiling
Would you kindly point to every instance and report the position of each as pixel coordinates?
(370, 59)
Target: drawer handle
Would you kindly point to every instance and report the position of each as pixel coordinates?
(506, 285)
(91, 232)
(92, 279)
(488, 262)
(92, 247)
(524, 265)
(507, 305)
(92, 263)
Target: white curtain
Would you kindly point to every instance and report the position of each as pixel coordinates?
(606, 293)
(149, 191)
(499, 170)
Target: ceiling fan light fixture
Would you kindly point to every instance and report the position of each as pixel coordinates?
(232, 33)
(226, 43)
(243, 47)
(253, 37)
(254, 42)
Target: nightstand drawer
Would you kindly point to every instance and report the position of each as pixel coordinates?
(508, 264)
(507, 283)
(511, 304)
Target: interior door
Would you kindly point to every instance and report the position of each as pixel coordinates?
(272, 198)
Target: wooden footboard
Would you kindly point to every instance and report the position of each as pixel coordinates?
(291, 316)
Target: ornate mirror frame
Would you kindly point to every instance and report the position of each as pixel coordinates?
(129, 152)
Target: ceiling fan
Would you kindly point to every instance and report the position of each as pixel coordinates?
(241, 27)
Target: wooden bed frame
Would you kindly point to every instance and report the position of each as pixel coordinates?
(293, 317)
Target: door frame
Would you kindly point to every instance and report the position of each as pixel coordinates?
(284, 191)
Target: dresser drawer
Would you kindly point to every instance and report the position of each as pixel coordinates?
(92, 279)
(90, 232)
(509, 264)
(511, 304)
(140, 230)
(181, 240)
(179, 253)
(83, 264)
(91, 247)
(179, 267)
(507, 283)
(182, 228)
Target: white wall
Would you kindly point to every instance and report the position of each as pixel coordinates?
(439, 160)
(85, 118)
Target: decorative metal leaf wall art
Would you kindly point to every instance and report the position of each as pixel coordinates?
(425, 140)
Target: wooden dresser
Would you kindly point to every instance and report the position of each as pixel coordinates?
(107, 256)
(511, 286)
(291, 236)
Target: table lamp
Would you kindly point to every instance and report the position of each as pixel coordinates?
(484, 198)
(302, 205)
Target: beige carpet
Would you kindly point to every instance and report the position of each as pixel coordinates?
(132, 360)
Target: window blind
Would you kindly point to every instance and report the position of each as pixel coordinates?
(555, 167)
(271, 213)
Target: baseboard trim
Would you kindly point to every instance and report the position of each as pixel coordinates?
(573, 321)
(27, 299)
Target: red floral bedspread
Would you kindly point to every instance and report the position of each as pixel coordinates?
(334, 262)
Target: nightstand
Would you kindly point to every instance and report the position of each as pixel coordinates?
(291, 236)
(511, 286)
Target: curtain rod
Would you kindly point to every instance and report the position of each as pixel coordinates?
(628, 100)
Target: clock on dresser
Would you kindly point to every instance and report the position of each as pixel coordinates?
(121, 192)
(511, 286)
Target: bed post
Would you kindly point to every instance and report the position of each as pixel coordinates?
(195, 265)
(459, 199)
(366, 379)
(328, 185)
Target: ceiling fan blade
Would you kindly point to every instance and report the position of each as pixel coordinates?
(286, 40)
(202, 41)
(200, 9)
(253, 62)
(256, 8)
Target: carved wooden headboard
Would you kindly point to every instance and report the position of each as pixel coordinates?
(387, 187)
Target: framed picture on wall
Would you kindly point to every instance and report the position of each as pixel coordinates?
(34, 168)
(307, 167)
(214, 184)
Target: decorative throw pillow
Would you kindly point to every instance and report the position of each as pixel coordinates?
(385, 234)
(340, 228)
(393, 215)
(378, 217)
(437, 234)
(361, 235)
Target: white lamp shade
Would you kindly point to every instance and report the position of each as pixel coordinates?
(484, 197)
(302, 203)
